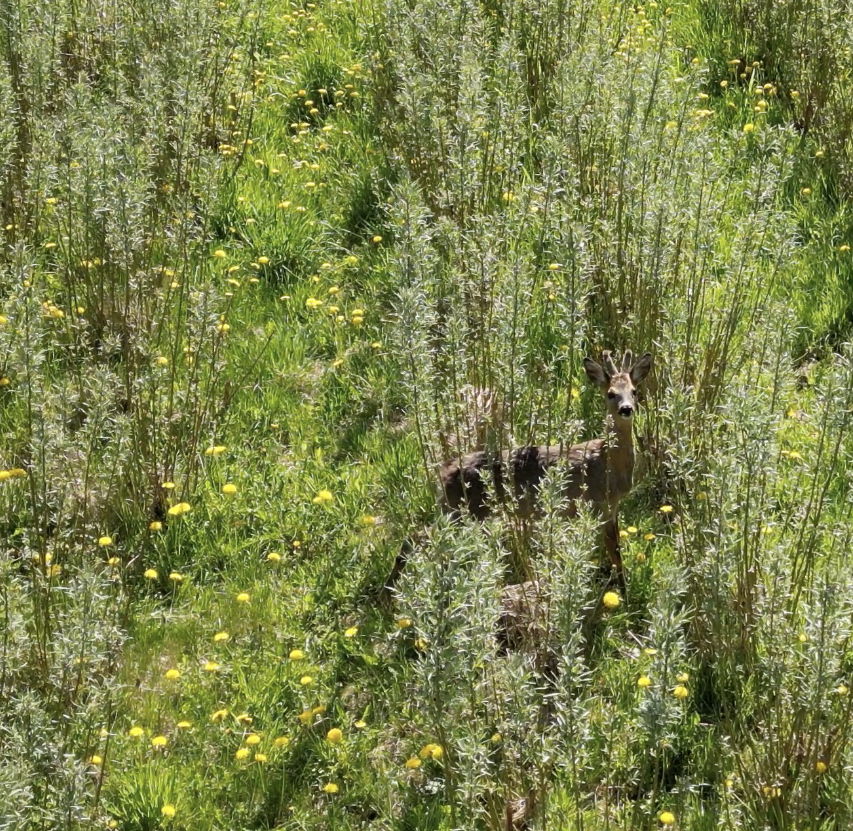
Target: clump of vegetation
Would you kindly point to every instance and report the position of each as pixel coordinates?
(266, 265)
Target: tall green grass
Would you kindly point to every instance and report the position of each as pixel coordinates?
(266, 265)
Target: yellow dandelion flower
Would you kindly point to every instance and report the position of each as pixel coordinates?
(644, 681)
(305, 716)
(168, 486)
(649, 537)
(229, 489)
(180, 509)
(413, 763)
(281, 741)
(667, 818)
(96, 760)
(113, 561)
(216, 450)
(219, 254)
(682, 677)
(748, 128)
(176, 577)
(296, 655)
(351, 632)
(184, 725)
(841, 689)
(261, 757)
(241, 754)
(210, 666)
(360, 724)
(323, 498)
(680, 691)
(335, 736)
(820, 767)
(319, 709)
(611, 600)
(273, 557)
(168, 811)
(330, 787)
(666, 509)
(221, 637)
(404, 623)
(105, 541)
(219, 715)
(243, 597)
(155, 526)
(306, 680)
(245, 718)
(253, 739)
(136, 732)
(172, 674)
(150, 574)
(159, 741)
(377, 239)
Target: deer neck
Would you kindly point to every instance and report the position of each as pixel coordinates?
(620, 444)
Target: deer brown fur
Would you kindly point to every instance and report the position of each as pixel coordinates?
(599, 472)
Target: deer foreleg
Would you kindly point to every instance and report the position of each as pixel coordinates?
(612, 547)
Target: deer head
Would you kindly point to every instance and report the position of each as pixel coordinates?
(619, 385)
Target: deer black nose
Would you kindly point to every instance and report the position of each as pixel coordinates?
(626, 411)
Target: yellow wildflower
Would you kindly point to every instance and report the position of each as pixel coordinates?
(611, 600)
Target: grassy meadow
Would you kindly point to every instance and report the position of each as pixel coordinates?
(258, 258)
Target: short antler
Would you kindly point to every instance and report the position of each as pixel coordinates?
(627, 359)
(607, 360)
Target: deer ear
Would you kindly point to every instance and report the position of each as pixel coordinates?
(641, 368)
(595, 373)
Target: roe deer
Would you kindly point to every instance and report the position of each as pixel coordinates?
(599, 471)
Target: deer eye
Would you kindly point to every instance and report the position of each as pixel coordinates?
(611, 395)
